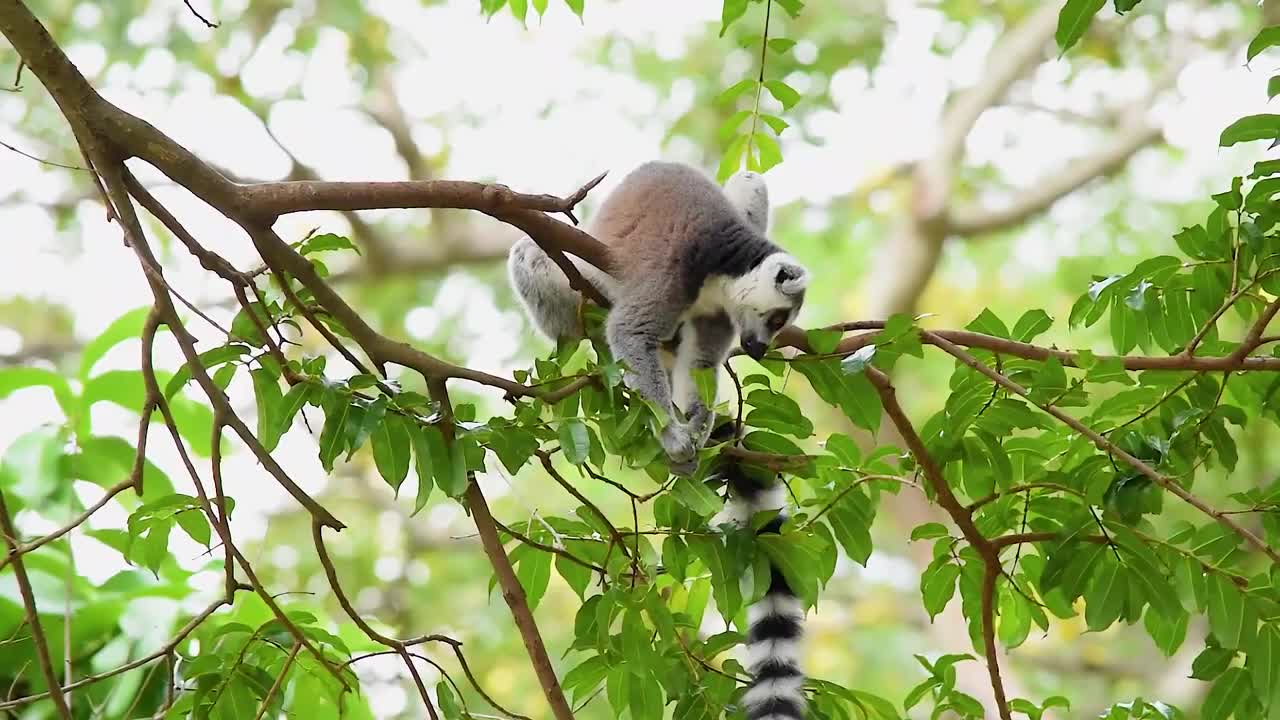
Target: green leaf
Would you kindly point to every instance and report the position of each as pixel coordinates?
(13, 379)
(1248, 129)
(850, 519)
(454, 481)
(333, 434)
(1106, 596)
(769, 153)
(775, 123)
(794, 558)
(783, 93)
(519, 8)
(823, 342)
(792, 7)
(1264, 661)
(1267, 37)
(209, 359)
(731, 12)
(1031, 324)
(122, 328)
(729, 128)
(732, 159)
(533, 569)
(1227, 695)
(1264, 168)
(266, 392)
(576, 6)
(937, 586)
(390, 446)
(1074, 19)
(1124, 328)
(781, 45)
(1226, 610)
(30, 468)
(1211, 662)
(574, 441)
(988, 324)
(444, 698)
(929, 530)
(195, 525)
(155, 548)
(696, 496)
(431, 457)
(286, 409)
(733, 91)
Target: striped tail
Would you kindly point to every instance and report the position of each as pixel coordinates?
(774, 624)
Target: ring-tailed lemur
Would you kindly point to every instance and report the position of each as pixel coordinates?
(692, 271)
(774, 624)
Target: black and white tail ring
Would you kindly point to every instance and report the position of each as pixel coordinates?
(774, 624)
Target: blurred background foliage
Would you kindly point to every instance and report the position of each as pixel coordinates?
(379, 90)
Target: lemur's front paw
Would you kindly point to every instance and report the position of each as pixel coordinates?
(700, 422)
(678, 444)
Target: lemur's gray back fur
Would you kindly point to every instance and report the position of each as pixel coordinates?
(692, 270)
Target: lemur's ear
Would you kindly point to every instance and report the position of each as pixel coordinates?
(791, 279)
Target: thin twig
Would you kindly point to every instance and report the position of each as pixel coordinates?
(33, 614)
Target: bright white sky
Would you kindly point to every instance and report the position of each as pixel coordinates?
(546, 122)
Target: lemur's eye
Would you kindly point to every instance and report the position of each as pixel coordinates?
(776, 320)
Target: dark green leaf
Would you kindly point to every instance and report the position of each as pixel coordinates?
(1074, 19)
(390, 444)
(1266, 37)
(1253, 127)
(1227, 695)
(574, 441)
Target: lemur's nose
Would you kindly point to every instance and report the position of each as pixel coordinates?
(754, 348)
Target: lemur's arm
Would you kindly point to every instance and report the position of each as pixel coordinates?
(637, 324)
(705, 342)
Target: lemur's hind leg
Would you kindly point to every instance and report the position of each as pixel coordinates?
(545, 292)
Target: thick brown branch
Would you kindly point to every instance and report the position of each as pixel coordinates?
(960, 515)
(512, 591)
(281, 198)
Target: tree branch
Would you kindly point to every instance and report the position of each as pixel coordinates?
(512, 591)
(1106, 446)
(1108, 160)
(33, 613)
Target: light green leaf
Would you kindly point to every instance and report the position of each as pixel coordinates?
(13, 379)
(783, 93)
(730, 12)
(122, 328)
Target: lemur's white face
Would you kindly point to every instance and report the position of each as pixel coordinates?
(766, 300)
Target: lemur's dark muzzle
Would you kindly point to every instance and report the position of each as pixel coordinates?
(754, 348)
